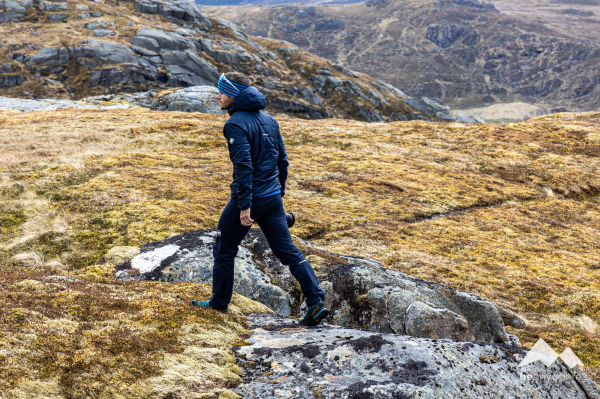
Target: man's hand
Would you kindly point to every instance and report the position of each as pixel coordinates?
(245, 217)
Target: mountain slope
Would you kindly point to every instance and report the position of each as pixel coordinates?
(80, 48)
(464, 52)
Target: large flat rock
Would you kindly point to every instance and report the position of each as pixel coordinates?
(329, 361)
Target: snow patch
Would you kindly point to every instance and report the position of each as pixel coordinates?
(148, 261)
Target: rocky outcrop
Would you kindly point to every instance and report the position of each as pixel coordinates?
(184, 48)
(48, 104)
(183, 10)
(14, 10)
(190, 99)
(360, 292)
(287, 360)
(444, 35)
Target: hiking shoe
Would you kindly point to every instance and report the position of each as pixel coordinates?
(315, 314)
(206, 305)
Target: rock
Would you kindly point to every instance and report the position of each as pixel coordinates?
(288, 360)
(58, 17)
(6, 68)
(49, 57)
(444, 35)
(190, 99)
(189, 258)
(104, 32)
(295, 107)
(511, 319)
(96, 14)
(228, 58)
(46, 6)
(11, 80)
(104, 51)
(144, 52)
(184, 10)
(124, 75)
(345, 70)
(359, 292)
(141, 99)
(145, 42)
(83, 8)
(187, 69)
(18, 104)
(13, 11)
(421, 320)
(165, 40)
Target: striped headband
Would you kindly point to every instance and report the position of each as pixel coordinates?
(230, 87)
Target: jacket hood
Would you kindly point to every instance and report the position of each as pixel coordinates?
(248, 100)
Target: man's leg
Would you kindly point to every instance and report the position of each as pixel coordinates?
(275, 228)
(230, 234)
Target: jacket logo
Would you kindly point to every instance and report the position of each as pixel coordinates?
(231, 140)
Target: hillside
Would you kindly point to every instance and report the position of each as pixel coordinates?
(510, 212)
(76, 49)
(468, 54)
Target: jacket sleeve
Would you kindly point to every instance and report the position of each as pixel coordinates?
(239, 153)
(282, 162)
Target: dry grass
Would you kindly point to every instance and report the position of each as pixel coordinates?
(62, 336)
(507, 211)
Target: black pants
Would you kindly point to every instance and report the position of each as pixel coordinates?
(268, 212)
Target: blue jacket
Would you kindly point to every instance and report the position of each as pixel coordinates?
(255, 148)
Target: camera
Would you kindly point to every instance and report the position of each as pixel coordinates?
(290, 218)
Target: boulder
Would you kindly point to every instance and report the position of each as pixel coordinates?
(124, 75)
(104, 51)
(183, 10)
(6, 68)
(58, 17)
(13, 10)
(360, 292)
(11, 80)
(104, 32)
(165, 40)
(283, 359)
(49, 57)
(190, 99)
(187, 69)
(47, 6)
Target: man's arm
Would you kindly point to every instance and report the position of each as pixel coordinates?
(239, 153)
(282, 162)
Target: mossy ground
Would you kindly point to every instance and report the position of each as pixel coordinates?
(510, 211)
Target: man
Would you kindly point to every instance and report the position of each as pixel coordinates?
(259, 173)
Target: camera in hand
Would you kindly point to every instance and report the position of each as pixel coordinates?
(290, 218)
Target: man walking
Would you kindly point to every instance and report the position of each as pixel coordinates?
(259, 172)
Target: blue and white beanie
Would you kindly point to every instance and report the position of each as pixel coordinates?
(230, 87)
